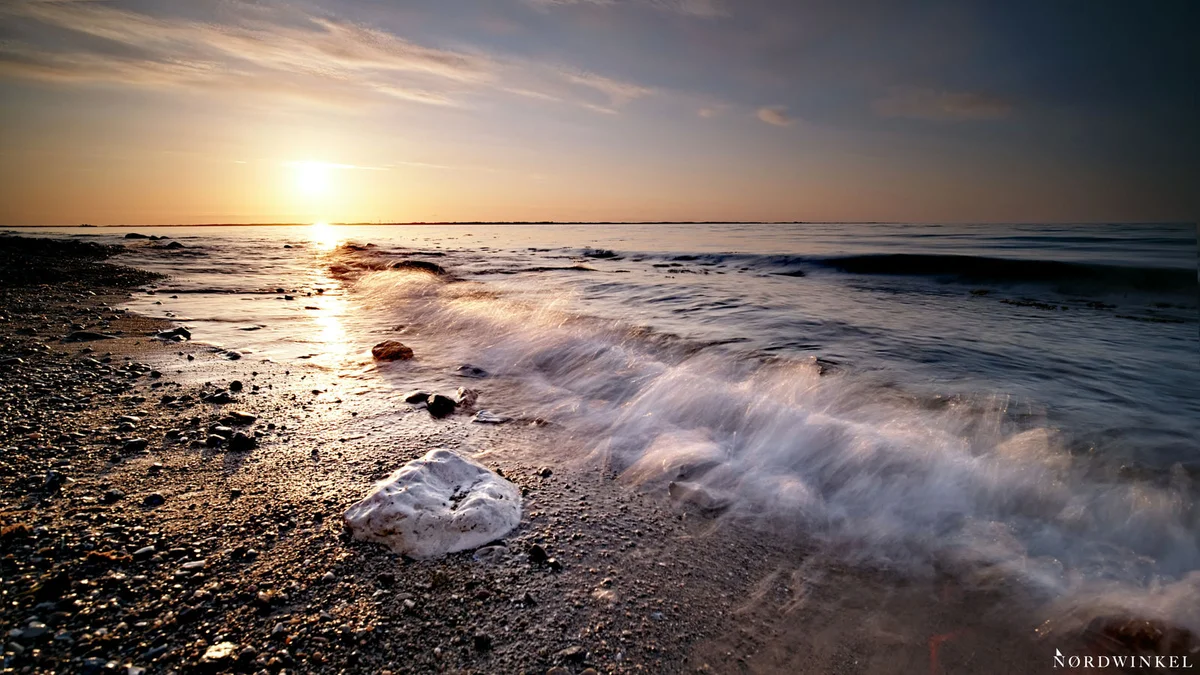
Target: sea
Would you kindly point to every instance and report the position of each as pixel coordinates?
(1020, 398)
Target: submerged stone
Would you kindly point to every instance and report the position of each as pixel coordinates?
(438, 504)
(391, 350)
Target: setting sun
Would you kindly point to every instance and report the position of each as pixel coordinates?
(313, 179)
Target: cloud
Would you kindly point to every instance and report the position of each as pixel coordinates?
(619, 93)
(777, 115)
(271, 50)
(704, 9)
(930, 104)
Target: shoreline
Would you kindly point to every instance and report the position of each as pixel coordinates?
(249, 554)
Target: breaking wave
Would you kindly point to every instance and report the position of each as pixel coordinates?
(883, 476)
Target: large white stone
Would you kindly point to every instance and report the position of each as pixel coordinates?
(438, 504)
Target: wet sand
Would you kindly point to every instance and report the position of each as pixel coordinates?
(183, 556)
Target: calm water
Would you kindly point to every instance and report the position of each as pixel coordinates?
(1024, 397)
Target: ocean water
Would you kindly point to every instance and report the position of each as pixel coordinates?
(1022, 399)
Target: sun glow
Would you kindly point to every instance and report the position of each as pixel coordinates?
(313, 179)
(324, 236)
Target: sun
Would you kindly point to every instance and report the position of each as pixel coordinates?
(313, 179)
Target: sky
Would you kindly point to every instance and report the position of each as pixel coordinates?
(230, 111)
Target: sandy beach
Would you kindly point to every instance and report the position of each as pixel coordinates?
(132, 540)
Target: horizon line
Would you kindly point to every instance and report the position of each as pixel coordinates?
(637, 222)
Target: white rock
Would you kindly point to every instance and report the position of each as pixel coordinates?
(438, 504)
(489, 417)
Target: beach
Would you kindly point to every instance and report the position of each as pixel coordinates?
(138, 535)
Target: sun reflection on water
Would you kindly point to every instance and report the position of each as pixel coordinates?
(324, 236)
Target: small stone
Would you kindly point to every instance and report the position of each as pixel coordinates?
(440, 406)
(242, 442)
(194, 565)
(218, 653)
(467, 370)
(482, 642)
(144, 553)
(34, 631)
(466, 397)
(236, 385)
(489, 417)
(135, 445)
(416, 397)
(537, 554)
(242, 417)
(545, 472)
(391, 350)
(112, 496)
(573, 654)
(154, 499)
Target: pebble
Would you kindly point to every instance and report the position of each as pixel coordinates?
(218, 653)
(440, 406)
(154, 499)
(242, 442)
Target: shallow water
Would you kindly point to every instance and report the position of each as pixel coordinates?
(1017, 398)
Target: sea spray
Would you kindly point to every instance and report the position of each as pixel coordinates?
(883, 475)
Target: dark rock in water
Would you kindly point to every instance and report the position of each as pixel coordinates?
(440, 406)
(153, 499)
(179, 332)
(791, 273)
(708, 502)
(466, 397)
(136, 235)
(468, 370)
(600, 253)
(391, 350)
(236, 385)
(489, 417)
(417, 396)
(135, 445)
(242, 442)
(420, 266)
(823, 365)
(175, 245)
(87, 336)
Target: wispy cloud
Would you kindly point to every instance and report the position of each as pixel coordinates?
(706, 9)
(272, 50)
(930, 104)
(776, 115)
(619, 93)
